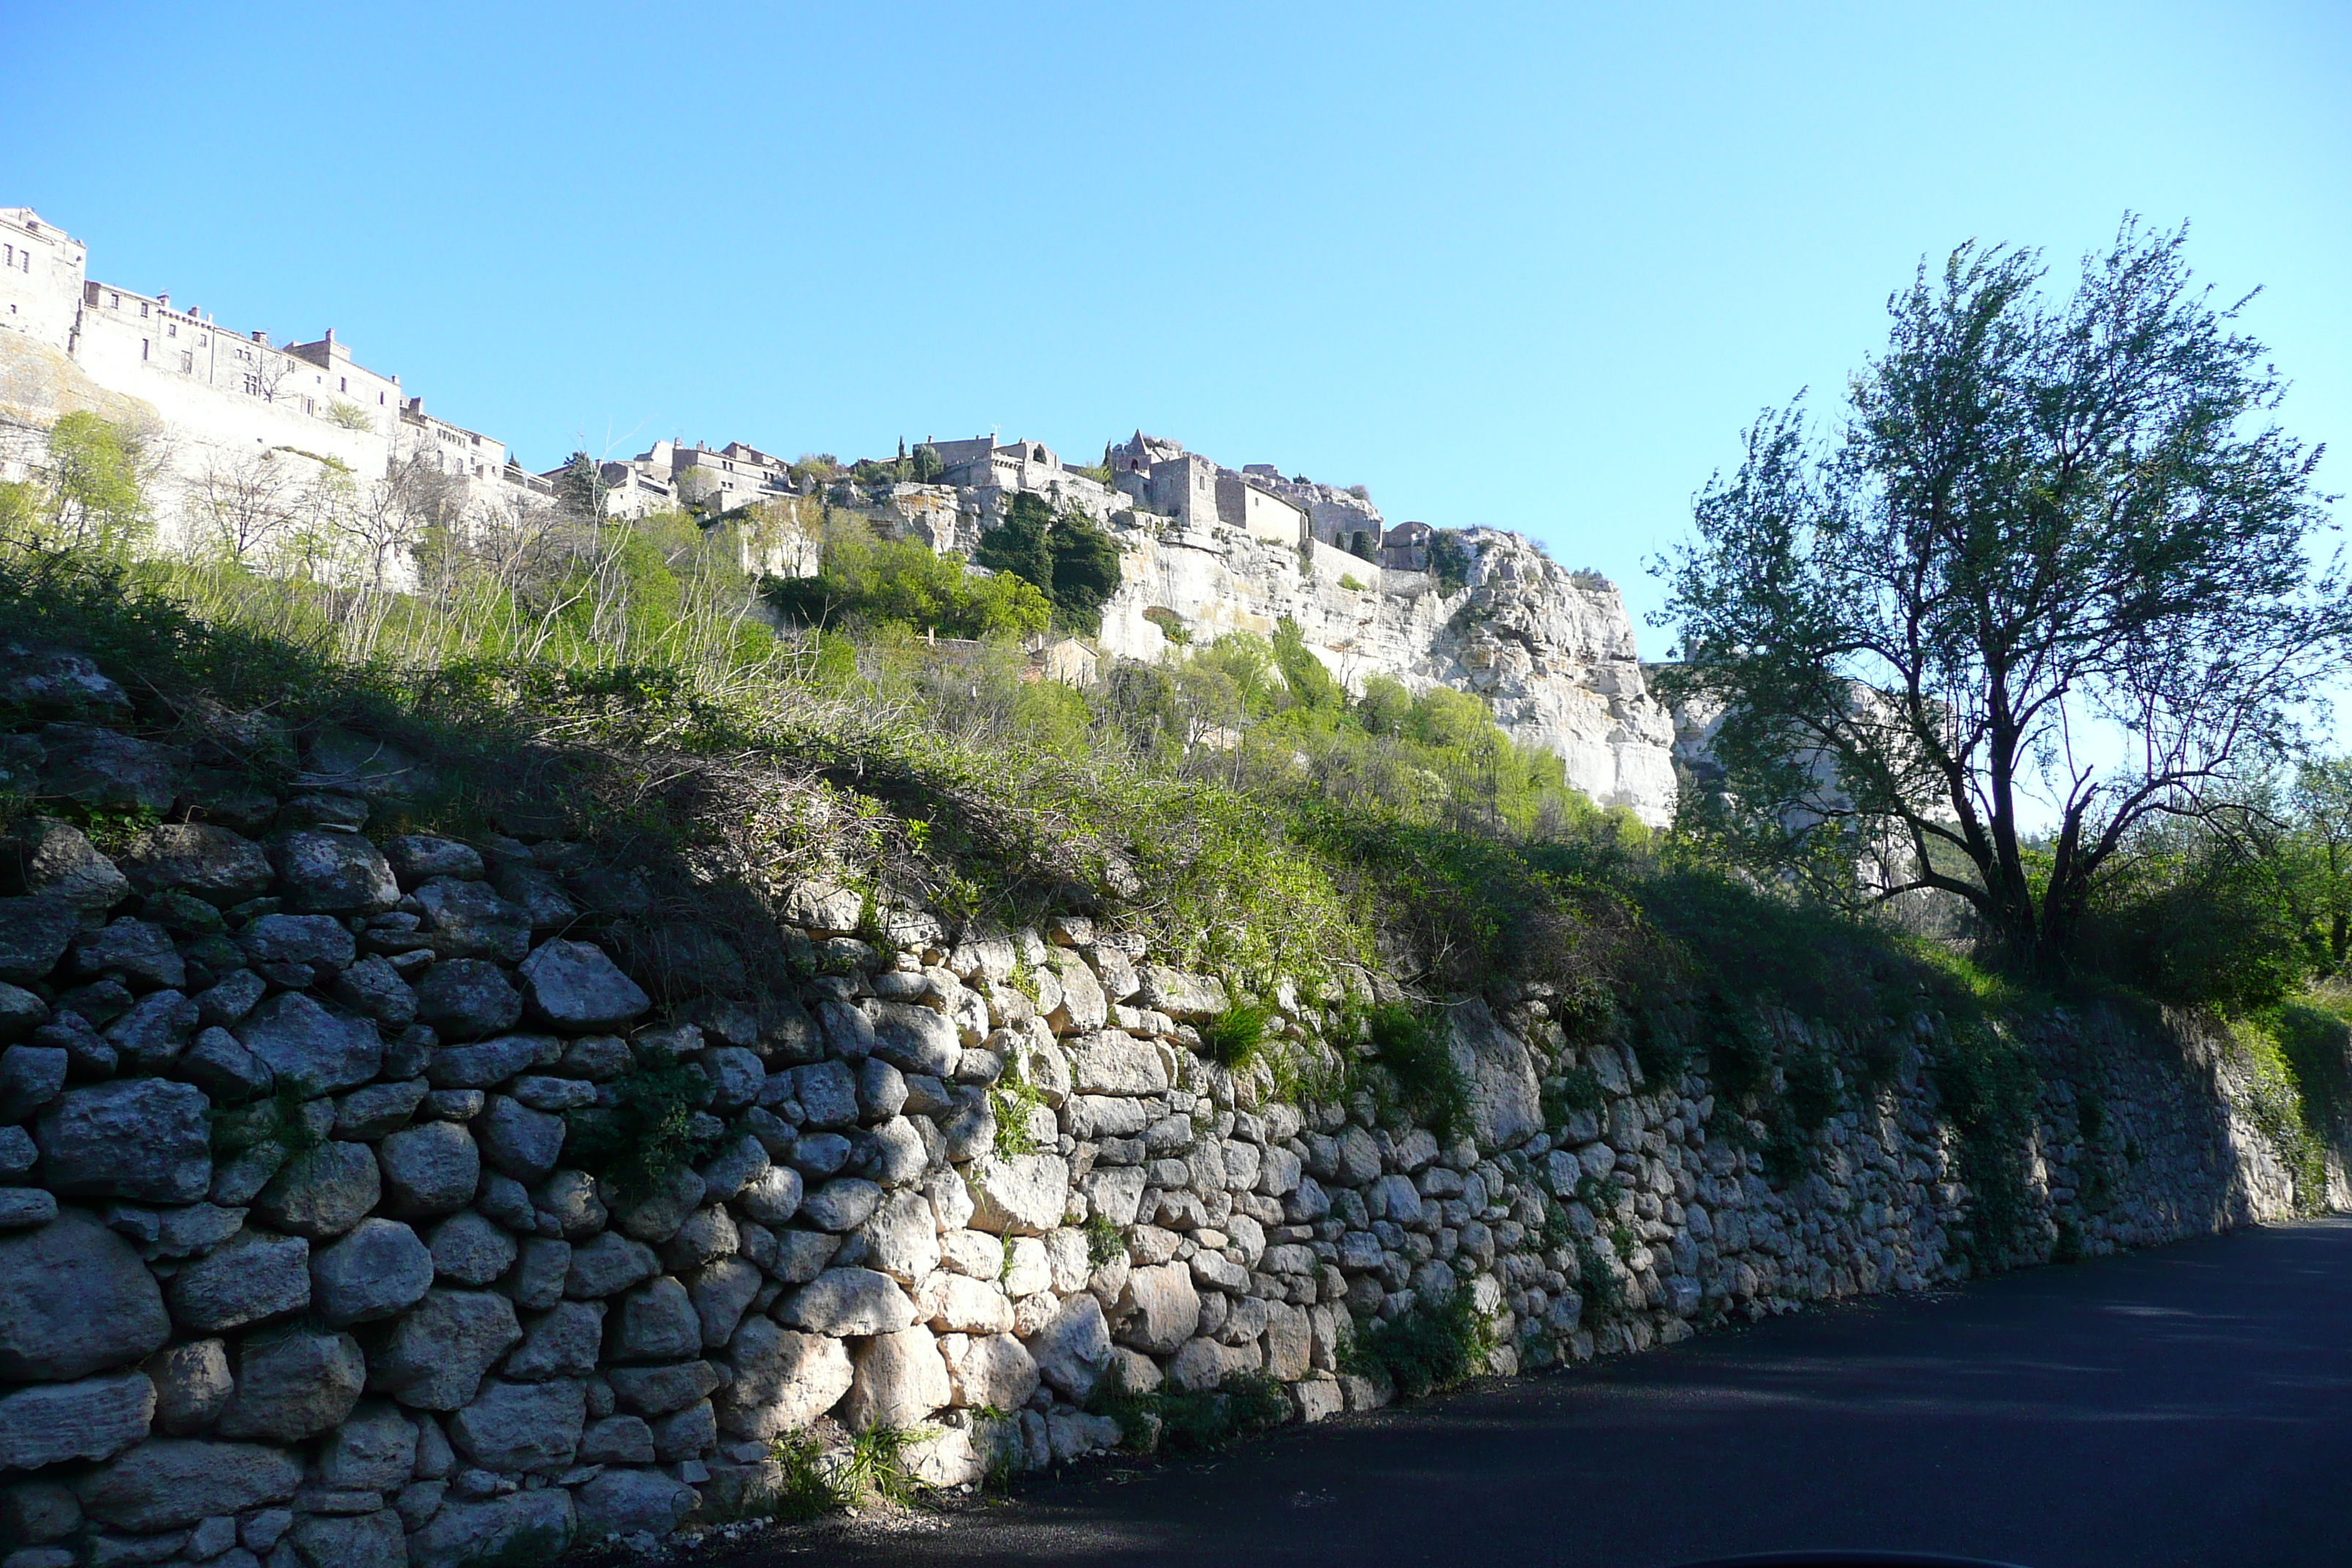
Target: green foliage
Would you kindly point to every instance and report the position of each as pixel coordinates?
(88, 493)
(1105, 1243)
(1175, 1420)
(1988, 1082)
(815, 1481)
(1430, 1348)
(1449, 558)
(1065, 554)
(1427, 1089)
(1347, 581)
(2034, 512)
(1234, 1038)
(649, 1131)
(2272, 1093)
(1596, 1282)
(1012, 1099)
(864, 581)
(1568, 1091)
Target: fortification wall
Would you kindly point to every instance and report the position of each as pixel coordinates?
(299, 1264)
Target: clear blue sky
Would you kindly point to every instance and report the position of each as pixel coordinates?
(1531, 266)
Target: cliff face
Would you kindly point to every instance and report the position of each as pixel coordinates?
(1553, 650)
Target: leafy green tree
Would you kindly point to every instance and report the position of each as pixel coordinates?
(923, 465)
(1312, 687)
(90, 493)
(1065, 554)
(863, 579)
(2036, 519)
(580, 487)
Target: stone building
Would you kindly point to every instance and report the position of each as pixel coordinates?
(210, 400)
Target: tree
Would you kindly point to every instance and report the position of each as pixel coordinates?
(92, 487)
(2040, 527)
(580, 487)
(1067, 554)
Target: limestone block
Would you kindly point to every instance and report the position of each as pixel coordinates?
(292, 1384)
(37, 1512)
(801, 1254)
(486, 1064)
(901, 1380)
(467, 1250)
(436, 1355)
(573, 986)
(1506, 1102)
(1289, 1341)
(1203, 1363)
(783, 1380)
(304, 1044)
(849, 1301)
(842, 1204)
(656, 1216)
(652, 1391)
(373, 988)
(254, 1277)
(371, 1540)
(608, 1265)
(773, 1196)
(1183, 998)
(417, 857)
(94, 1418)
(1116, 1193)
(687, 1434)
(140, 951)
(374, 1450)
(563, 1341)
(30, 1078)
(48, 859)
(722, 1291)
(617, 1440)
(466, 998)
(707, 1232)
(34, 932)
(727, 1174)
(193, 1383)
(528, 1427)
(1112, 1063)
(915, 1039)
(534, 1525)
(1024, 1194)
(657, 1322)
(135, 1138)
(430, 1169)
(218, 1063)
(166, 1483)
(1161, 1307)
(1074, 1347)
(324, 1191)
(366, 1114)
(306, 941)
(154, 1031)
(540, 1273)
(332, 873)
(902, 1236)
(627, 1501)
(468, 921)
(380, 1269)
(522, 1142)
(959, 1304)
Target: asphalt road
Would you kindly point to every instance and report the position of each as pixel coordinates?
(2187, 1405)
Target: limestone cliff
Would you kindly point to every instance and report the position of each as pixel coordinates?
(1553, 650)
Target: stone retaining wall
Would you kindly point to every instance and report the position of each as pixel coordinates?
(296, 1269)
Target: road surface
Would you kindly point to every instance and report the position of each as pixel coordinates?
(2190, 1404)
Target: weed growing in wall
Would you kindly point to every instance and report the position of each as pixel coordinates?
(1988, 1083)
(1415, 1079)
(1178, 1420)
(649, 1131)
(1430, 1348)
(2268, 1093)
(1234, 1037)
(1011, 1100)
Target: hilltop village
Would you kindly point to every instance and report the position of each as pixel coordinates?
(237, 423)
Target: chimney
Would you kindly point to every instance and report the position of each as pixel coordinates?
(262, 338)
(164, 300)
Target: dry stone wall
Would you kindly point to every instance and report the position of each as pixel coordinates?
(301, 1263)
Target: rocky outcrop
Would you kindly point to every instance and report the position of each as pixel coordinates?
(315, 1272)
(1551, 651)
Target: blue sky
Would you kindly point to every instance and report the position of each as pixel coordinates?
(1528, 267)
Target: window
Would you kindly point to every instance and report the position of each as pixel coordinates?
(143, 310)
(171, 329)
(113, 301)
(143, 350)
(345, 384)
(253, 386)
(187, 363)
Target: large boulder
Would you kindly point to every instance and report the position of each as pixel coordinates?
(303, 1043)
(46, 857)
(168, 1482)
(435, 1357)
(215, 865)
(95, 1418)
(991, 1371)
(1505, 1100)
(900, 1381)
(74, 1299)
(1161, 1308)
(915, 1039)
(1074, 1347)
(531, 1427)
(783, 1380)
(573, 986)
(377, 1271)
(467, 1250)
(333, 874)
(292, 1384)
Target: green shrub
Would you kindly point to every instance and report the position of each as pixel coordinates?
(1105, 1243)
(1414, 1053)
(648, 1131)
(1176, 1420)
(1427, 1349)
(1234, 1038)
